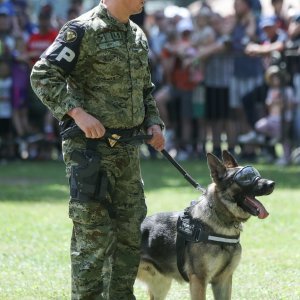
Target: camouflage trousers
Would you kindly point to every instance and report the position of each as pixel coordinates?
(105, 243)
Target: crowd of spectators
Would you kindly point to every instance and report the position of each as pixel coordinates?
(228, 81)
(222, 81)
(27, 128)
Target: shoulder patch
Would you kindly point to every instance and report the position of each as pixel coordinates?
(70, 36)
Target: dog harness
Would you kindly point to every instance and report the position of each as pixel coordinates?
(190, 230)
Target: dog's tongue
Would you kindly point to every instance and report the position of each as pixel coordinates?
(262, 212)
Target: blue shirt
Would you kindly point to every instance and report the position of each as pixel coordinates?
(244, 66)
(7, 7)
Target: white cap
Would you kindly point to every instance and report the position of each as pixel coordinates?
(172, 11)
(185, 25)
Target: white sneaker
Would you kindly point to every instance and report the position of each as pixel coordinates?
(245, 137)
(169, 137)
(251, 138)
(273, 141)
(182, 155)
(282, 161)
(295, 156)
(185, 153)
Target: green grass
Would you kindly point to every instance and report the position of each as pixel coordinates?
(35, 231)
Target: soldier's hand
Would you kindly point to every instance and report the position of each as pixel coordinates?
(91, 126)
(158, 140)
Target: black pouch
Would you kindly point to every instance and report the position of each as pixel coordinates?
(88, 182)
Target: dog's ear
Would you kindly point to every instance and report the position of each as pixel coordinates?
(229, 160)
(217, 168)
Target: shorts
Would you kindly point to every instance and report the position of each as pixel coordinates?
(199, 101)
(217, 103)
(20, 86)
(239, 87)
(5, 127)
(185, 99)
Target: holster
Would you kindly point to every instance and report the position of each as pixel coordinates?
(88, 181)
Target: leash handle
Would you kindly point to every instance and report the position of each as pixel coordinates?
(75, 131)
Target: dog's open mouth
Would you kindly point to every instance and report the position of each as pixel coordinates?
(254, 207)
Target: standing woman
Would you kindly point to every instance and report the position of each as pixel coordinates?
(96, 76)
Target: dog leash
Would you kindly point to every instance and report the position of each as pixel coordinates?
(185, 174)
(165, 153)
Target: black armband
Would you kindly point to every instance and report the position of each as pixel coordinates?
(65, 49)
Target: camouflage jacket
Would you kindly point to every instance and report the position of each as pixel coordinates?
(101, 65)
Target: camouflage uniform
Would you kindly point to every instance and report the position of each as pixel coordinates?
(101, 65)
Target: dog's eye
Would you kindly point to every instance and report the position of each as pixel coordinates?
(246, 176)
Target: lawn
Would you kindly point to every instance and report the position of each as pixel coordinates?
(35, 230)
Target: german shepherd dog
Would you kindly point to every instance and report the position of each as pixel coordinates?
(210, 230)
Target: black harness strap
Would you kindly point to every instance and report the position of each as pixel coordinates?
(190, 230)
(180, 249)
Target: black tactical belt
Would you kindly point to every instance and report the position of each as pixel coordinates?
(112, 135)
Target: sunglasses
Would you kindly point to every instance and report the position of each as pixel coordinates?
(246, 176)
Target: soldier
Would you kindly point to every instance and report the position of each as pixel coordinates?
(96, 76)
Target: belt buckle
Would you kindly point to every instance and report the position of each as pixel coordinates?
(112, 141)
